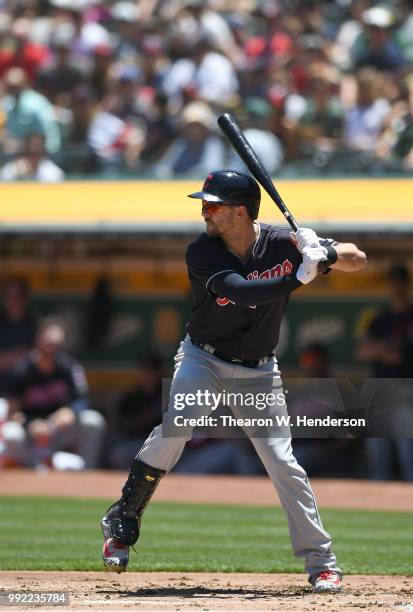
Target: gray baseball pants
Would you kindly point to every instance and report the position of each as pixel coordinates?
(309, 539)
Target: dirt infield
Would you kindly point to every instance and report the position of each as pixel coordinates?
(189, 591)
(355, 494)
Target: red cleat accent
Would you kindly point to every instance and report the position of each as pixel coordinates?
(115, 554)
(326, 582)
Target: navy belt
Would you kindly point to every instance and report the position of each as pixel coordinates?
(246, 364)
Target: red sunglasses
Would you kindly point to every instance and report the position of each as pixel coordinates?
(212, 207)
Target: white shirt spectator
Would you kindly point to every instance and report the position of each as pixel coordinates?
(363, 124)
(267, 147)
(19, 169)
(214, 79)
(173, 162)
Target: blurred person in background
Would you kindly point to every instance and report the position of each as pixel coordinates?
(320, 127)
(125, 18)
(78, 154)
(18, 51)
(17, 327)
(33, 164)
(115, 142)
(48, 408)
(376, 45)
(196, 148)
(388, 348)
(87, 33)
(396, 144)
(348, 30)
(57, 79)
(137, 413)
(98, 78)
(214, 456)
(160, 133)
(256, 127)
(198, 18)
(124, 81)
(365, 111)
(202, 74)
(26, 112)
(404, 32)
(322, 456)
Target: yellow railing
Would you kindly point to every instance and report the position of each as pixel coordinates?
(140, 203)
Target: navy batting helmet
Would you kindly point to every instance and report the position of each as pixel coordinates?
(232, 187)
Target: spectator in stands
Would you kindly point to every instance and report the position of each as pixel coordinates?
(33, 164)
(197, 146)
(203, 74)
(78, 154)
(17, 327)
(124, 83)
(404, 33)
(27, 112)
(47, 395)
(138, 412)
(197, 19)
(160, 133)
(115, 142)
(18, 51)
(365, 114)
(388, 348)
(320, 127)
(375, 46)
(87, 33)
(57, 79)
(396, 143)
(194, 50)
(256, 127)
(125, 16)
(98, 79)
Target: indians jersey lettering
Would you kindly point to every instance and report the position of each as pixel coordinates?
(278, 270)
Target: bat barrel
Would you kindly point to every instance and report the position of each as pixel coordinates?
(237, 138)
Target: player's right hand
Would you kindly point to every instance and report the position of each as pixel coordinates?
(308, 269)
(304, 238)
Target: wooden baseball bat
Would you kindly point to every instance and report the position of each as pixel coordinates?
(236, 137)
(232, 130)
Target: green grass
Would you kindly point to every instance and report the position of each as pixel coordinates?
(64, 534)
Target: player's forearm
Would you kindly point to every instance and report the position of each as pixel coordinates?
(254, 292)
(349, 257)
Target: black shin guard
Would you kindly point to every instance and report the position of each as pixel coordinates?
(124, 516)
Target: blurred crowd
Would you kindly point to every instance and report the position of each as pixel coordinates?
(108, 87)
(48, 420)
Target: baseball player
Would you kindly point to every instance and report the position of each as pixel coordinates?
(242, 273)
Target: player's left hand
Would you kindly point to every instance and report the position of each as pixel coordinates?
(304, 238)
(308, 269)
